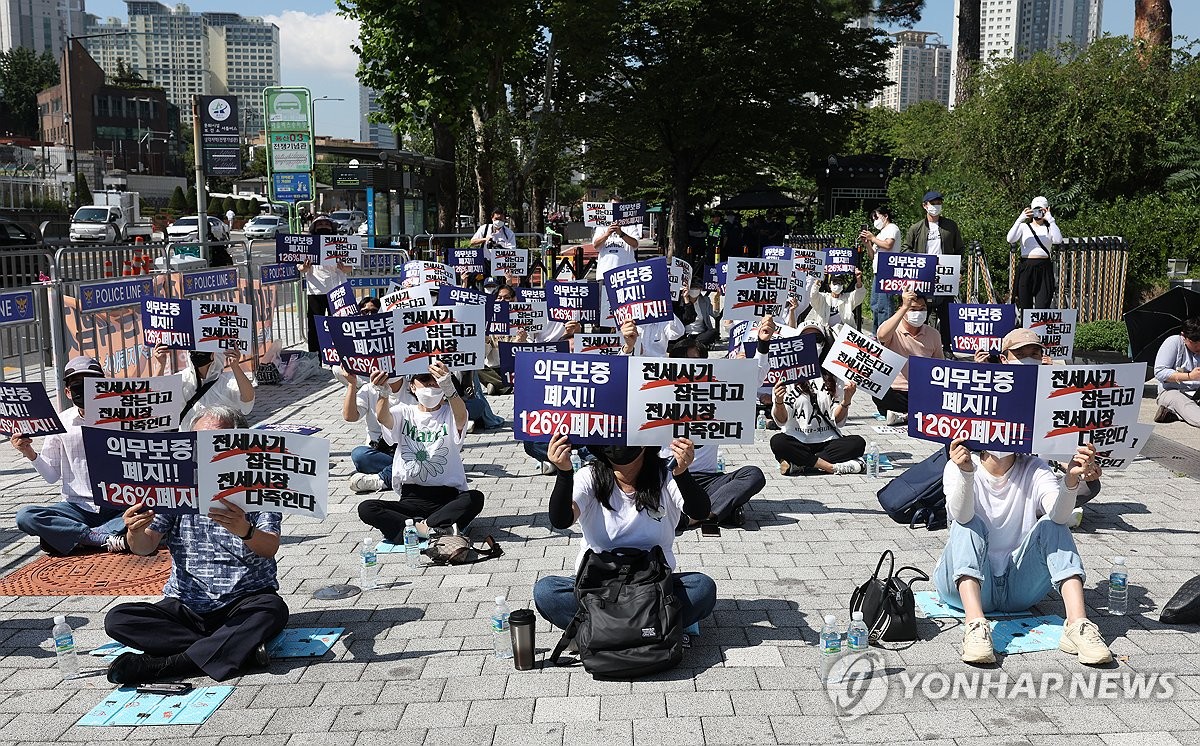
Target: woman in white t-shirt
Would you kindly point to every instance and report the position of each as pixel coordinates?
(625, 498)
(882, 304)
(837, 304)
(427, 469)
(319, 280)
(1035, 232)
(810, 413)
(1009, 545)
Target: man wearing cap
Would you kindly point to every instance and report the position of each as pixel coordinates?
(906, 333)
(1177, 368)
(76, 521)
(935, 235)
(1035, 232)
(1019, 347)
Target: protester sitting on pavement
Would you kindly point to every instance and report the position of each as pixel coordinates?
(625, 498)
(906, 333)
(319, 280)
(650, 340)
(75, 521)
(205, 385)
(491, 376)
(837, 304)
(1009, 544)
(496, 232)
(1177, 368)
(427, 470)
(695, 311)
(810, 413)
(372, 462)
(221, 604)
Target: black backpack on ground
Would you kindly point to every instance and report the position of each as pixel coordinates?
(629, 622)
(915, 497)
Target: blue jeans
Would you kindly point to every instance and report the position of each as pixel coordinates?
(371, 461)
(554, 598)
(64, 526)
(881, 307)
(1046, 557)
(478, 409)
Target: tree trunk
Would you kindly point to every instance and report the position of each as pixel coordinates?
(537, 198)
(444, 147)
(968, 54)
(484, 174)
(1152, 30)
(681, 186)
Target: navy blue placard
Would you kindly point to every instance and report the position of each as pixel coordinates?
(17, 307)
(465, 261)
(629, 213)
(273, 274)
(584, 395)
(980, 326)
(365, 344)
(166, 321)
(778, 252)
(25, 408)
(509, 349)
(573, 301)
(791, 358)
(211, 281)
(342, 301)
(329, 353)
(448, 295)
(640, 291)
(498, 318)
(839, 261)
(297, 248)
(990, 405)
(899, 271)
(715, 276)
(98, 296)
(154, 469)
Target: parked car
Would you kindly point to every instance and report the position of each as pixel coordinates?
(20, 270)
(263, 226)
(187, 229)
(14, 234)
(348, 221)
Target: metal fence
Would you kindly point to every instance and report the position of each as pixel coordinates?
(1089, 274)
(25, 349)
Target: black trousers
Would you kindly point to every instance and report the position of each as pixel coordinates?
(1035, 283)
(939, 308)
(786, 448)
(439, 506)
(219, 642)
(892, 400)
(728, 492)
(318, 305)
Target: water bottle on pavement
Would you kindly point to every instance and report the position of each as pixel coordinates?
(873, 460)
(412, 544)
(1118, 590)
(64, 646)
(858, 639)
(576, 462)
(368, 577)
(761, 424)
(831, 648)
(501, 638)
(720, 462)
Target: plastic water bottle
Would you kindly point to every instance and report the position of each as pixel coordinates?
(720, 462)
(761, 424)
(368, 574)
(873, 460)
(1118, 588)
(576, 462)
(412, 542)
(64, 647)
(858, 639)
(501, 641)
(831, 648)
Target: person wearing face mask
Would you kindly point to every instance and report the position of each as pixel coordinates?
(882, 304)
(810, 413)
(427, 470)
(614, 248)
(836, 306)
(906, 333)
(936, 234)
(205, 385)
(626, 497)
(319, 280)
(1035, 232)
(372, 462)
(495, 233)
(695, 311)
(1009, 545)
(76, 521)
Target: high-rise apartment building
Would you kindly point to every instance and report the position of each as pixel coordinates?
(381, 135)
(192, 53)
(919, 70)
(40, 25)
(1020, 28)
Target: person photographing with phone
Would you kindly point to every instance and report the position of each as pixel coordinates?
(1035, 232)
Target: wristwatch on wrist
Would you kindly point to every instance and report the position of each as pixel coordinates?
(249, 533)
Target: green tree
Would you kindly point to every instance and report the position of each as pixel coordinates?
(83, 195)
(227, 204)
(178, 201)
(191, 199)
(214, 207)
(23, 73)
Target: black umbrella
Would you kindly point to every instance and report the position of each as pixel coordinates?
(1151, 323)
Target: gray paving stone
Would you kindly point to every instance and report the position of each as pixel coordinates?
(672, 731)
(534, 734)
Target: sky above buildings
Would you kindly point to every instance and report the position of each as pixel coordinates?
(315, 43)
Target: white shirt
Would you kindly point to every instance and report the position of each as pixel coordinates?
(805, 423)
(654, 338)
(504, 237)
(704, 463)
(224, 392)
(62, 458)
(831, 311)
(365, 401)
(1027, 234)
(614, 253)
(892, 231)
(321, 279)
(428, 447)
(933, 244)
(624, 525)
(1009, 505)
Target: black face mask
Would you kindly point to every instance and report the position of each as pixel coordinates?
(620, 455)
(200, 359)
(75, 392)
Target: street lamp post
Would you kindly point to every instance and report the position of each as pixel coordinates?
(74, 153)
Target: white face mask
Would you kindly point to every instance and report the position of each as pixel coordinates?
(694, 293)
(429, 398)
(837, 289)
(497, 224)
(933, 210)
(998, 454)
(1024, 361)
(916, 318)
(879, 223)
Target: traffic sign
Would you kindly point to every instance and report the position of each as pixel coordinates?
(288, 110)
(290, 152)
(220, 142)
(291, 187)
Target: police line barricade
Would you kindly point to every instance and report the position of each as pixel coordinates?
(1089, 275)
(25, 350)
(98, 262)
(380, 267)
(276, 295)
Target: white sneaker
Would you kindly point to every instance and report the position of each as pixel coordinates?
(1076, 517)
(977, 642)
(855, 466)
(116, 544)
(360, 482)
(896, 418)
(471, 426)
(1083, 639)
(549, 469)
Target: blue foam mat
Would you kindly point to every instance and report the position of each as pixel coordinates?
(387, 547)
(296, 642)
(932, 606)
(1028, 635)
(126, 707)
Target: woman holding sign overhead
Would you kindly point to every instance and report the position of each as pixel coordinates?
(319, 280)
(810, 413)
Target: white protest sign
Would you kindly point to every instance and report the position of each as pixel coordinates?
(513, 262)
(1055, 327)
(1120, 455)
(680, 273)
(133, 404)
(949, 275)
(345, 250)
(600, 214)
(527, 315)
(809, 261)
(220, 325)
(597, 344)
(263, 470)
(452, 334)
(860, 359)
(708, 401)
(756, 287)
(1082, 404)
(410, 297)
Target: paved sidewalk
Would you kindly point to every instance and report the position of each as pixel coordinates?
(417, 667)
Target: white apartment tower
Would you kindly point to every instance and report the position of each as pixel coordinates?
(1020, 28)
(40, 25)
(192, 53)
(919, 70)
(380, 135)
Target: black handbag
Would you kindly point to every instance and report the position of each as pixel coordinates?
(1184, 606)
(887, 604)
